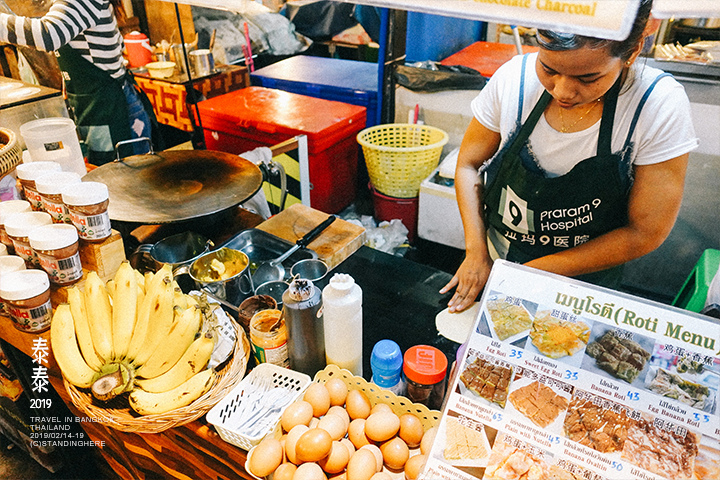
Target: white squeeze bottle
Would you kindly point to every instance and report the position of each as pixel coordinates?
(342, 313)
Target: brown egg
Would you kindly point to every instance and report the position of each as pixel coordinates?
(381, 407)
(314, 422)
(338, 391)
(291, 442)
(319, 397)
(266, 457)
(298, 413)
(313, 445)
(284, 472)
(381, 426)
(427, 440)
(309, 471)
(381, 476)
(334, 425)
(375, 450)
(414, 466)
(337, 459)
(351, 448)
(362, 466)
(340, 412)
(356, 433)
(357, 404)
(395, 453)
(339, 476)
(411, 430)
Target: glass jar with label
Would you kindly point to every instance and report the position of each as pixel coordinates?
(425, 368)
(28, 173)
(7, 209)
(268, 335)
(88, 203)
(26, 294)
(57, 249)
(9, 264)
(18, 228)
(50, 186)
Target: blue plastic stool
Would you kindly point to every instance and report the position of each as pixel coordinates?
(694, 291)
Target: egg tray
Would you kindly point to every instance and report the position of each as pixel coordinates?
(220, 415)
(399, 404)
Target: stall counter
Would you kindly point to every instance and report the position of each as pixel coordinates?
(400, 301)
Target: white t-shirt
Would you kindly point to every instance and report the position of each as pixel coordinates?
(664, 129)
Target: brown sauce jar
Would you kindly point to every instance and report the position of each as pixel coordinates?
(88, 203)
(50, 186)
(28, 173)
(26, 294)
(7, 209)
(57, 248)
(18, 227)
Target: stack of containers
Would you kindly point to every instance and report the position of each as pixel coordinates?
(252, 117)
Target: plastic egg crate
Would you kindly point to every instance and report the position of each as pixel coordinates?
(398, 404)
(257, 396)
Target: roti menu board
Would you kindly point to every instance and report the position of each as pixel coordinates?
(565, 380)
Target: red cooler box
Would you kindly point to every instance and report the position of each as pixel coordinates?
(256, 116)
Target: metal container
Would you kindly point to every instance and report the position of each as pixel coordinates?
(176, 250)
(302, 304)
(311, 269)
(202, 62)
(224, 273)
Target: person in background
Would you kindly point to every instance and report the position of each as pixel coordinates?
(574, 163)
(107, 105)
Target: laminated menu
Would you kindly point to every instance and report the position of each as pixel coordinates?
(566, 380)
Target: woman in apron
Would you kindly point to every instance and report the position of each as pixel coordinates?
(107, 104)
(582, 160)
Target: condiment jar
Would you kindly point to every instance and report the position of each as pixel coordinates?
(7, 209)
(28, 173)
(386, 362)
(56, 246)
(425, 368)
(49, 186)
(18, 228)
(9, 264)
(88, 203)
(268, 336)
(26, 294)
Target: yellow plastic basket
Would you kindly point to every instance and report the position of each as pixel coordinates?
(399, 156)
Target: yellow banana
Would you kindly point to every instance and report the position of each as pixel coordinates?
(140, 279)
(66, 351)
(82, 329)
(110, 288)
(146, 403)
(153, 282)
(180, 297)
(168, 352)
(124, 309)
(159, 323)
(193, 360)
(99, 315)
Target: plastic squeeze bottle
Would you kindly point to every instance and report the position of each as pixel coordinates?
(342, 312)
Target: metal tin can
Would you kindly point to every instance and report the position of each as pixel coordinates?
(302, 303)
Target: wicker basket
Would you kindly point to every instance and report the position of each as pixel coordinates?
(118, 414)
(399, 156)
(10, 151)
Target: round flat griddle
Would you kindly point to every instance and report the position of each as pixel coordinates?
(176, 185)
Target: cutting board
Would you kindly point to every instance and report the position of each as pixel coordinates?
(340, 240)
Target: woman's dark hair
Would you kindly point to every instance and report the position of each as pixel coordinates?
(618, 48)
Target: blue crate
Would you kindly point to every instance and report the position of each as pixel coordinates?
(347, 81)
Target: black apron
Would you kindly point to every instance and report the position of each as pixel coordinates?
(99, 104)
(540, 215)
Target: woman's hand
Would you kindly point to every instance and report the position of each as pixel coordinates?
(470, 279)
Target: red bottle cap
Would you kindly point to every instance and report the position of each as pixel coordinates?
(425, 365)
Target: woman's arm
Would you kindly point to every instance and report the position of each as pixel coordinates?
(655, 199)
(478, 145)
(65, 20)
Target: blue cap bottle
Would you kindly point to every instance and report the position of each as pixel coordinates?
(386, 362)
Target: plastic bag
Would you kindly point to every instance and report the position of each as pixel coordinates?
(455, 77)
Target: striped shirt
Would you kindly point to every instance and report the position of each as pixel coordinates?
(87, 26)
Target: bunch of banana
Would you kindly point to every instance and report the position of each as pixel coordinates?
(138, 334)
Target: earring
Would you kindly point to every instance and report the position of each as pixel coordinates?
(628, 63)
